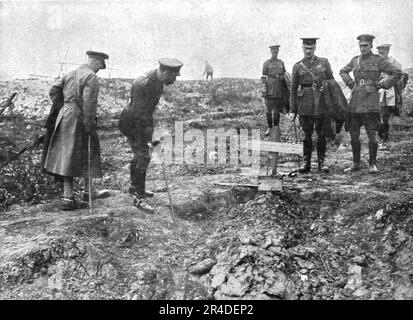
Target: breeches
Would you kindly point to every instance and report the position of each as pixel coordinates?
(273, 111)
(309, 124)
(140, 149)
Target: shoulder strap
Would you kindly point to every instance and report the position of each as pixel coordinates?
(358, 63)
(308, 70)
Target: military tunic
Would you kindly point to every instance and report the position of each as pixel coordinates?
(307, 101)
(390, 102)
(275, 89)
(388, 96)
(136, 121)
(364, 102)
(366, 70)
(67, 154)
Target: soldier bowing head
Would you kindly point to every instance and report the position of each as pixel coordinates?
(96, 60)
(169, 69)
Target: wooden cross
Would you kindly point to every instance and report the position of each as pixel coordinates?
(274, 146)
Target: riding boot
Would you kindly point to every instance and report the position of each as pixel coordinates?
(306, 167)
(321, 166)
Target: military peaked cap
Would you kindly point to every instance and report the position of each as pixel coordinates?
(98, 55)
(274, 46)
(365, 39)
(309, 41)
(171, 64)
(385, 45)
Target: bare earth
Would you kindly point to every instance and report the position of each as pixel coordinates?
(326, 236)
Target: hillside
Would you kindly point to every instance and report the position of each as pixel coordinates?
(326, 236)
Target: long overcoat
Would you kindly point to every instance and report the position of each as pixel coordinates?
(67, 153)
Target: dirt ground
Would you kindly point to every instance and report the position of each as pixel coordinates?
(325, 236)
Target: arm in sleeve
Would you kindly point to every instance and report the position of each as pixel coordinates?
(329, 72)
(293, 92)
(56, 91)
(395, 74)
(345, 73)
(90, 100)
(139, 98)
(265, 69)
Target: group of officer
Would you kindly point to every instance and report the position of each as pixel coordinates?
(73, 149)
(72, 146)
(375, 75)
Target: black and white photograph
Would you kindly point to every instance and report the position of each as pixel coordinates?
(206, 150)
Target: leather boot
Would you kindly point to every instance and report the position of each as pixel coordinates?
(321, 166)
(373, 146)
(69, 204)
(355, 167)
(356, 148)
(306, 167)
(141, 204)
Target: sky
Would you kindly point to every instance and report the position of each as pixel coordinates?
(36, 36)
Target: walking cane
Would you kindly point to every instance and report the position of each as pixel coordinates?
(153, 144)
(90, 177)
(169, 193)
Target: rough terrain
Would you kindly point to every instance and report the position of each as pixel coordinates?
(335, 236)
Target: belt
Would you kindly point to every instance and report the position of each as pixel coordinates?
(366, 82)
(313, 86)
(275, 77)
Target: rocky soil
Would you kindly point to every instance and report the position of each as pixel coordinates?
(325, 236)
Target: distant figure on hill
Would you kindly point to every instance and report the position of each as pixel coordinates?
(208, 71)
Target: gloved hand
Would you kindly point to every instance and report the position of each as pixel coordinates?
(380, 84)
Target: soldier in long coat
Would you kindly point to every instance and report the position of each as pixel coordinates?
(307, 101)
(364, 101)
(136, 123)
(67, 153)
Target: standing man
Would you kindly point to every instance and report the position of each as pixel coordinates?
(364, 101)
(390, 99)
(276, 93)
(307, 101)
(136, 123)
(67, 153)
(208, 71)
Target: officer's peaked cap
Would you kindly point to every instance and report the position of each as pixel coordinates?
(365, 39)
(385, 45)
(309, 41)
(98, 55)
(171, 64)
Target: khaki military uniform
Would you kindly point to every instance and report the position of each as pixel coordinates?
(275, 90)
(364, 102)
(136, 123)
(390, 102)
(307, 101)
(67, 153)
